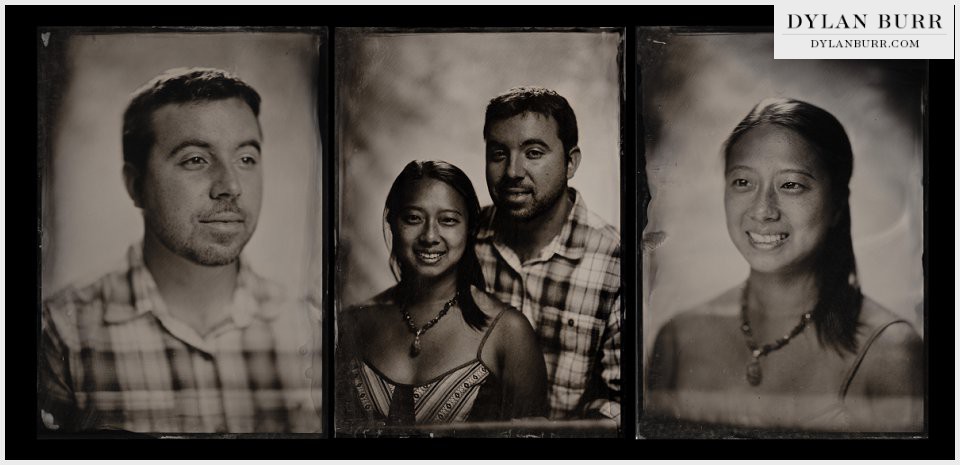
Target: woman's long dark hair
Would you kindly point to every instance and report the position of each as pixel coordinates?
(837, 311)
(468, 270)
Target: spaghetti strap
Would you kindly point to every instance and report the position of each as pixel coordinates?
(852, 371)
(489, 330)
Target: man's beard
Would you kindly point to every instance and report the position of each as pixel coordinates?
(217, 250)
(536, 208)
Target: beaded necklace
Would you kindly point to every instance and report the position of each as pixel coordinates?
(415, 346)
(754, 373)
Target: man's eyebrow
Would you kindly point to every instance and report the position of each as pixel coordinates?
(535, 142)
(206, 145)
(190, 143)
(250, 143)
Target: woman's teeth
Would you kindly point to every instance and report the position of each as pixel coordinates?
(429, 257)
(767, 240)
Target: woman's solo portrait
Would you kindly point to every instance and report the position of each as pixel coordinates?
(782, 241)
(797, 344)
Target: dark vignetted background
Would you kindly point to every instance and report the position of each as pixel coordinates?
(697, 87)
(88, 218)
(403, 97)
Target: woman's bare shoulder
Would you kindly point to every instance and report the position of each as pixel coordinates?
(487, 303)
(508, 319)
(897, 334)
(358, 313)
(892, 352)
(514, 323)
(724, 305)
(707, 321)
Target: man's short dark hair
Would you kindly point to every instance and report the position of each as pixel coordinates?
(176, 86)
(520, 100)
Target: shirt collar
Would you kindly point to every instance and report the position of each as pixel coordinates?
(249, 298)
(567, 243)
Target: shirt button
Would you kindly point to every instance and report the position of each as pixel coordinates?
(570, 322)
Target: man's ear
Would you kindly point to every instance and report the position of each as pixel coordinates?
(133, 180)
(573, 162)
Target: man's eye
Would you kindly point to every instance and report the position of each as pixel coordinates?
(740, 183)
(498, 155)
(793, 186)
(248, 160)
(451, 221)
(534, 154)
(194, 162)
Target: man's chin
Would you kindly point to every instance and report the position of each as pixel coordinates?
(521, 213)
(528, 211)
(216, 262)
(216, 255)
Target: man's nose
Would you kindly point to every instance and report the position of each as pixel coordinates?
(765, 207)
(226, 182)
(515, 167)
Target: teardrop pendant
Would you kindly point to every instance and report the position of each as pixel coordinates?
(754, 375)
(415, 346)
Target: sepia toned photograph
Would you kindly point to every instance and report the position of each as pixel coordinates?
(179, 222)
(478, 286)
(783, 276)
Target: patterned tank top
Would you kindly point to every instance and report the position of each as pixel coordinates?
(447, 398)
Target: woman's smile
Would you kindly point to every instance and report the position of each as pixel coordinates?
(429, 257)
(777, 200)
(431, 231)
(767, 241)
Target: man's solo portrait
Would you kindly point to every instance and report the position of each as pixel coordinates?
(179, 176)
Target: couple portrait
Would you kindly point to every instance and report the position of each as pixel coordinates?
(504, 310)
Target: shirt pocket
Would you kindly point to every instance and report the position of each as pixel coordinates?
(579, 338)
(579, 333)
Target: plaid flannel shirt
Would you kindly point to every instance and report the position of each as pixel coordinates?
(113, 357)
(571, 295)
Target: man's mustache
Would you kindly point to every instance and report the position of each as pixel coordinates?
(512, 184)
(224, 211)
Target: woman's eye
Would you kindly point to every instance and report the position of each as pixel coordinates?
(740, 183)
(790, 185)
(412, 219)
